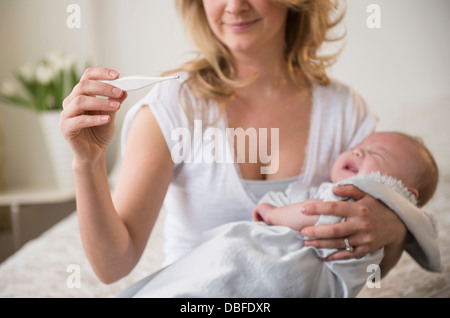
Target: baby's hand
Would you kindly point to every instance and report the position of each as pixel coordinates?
(288, 215)
(261, 212)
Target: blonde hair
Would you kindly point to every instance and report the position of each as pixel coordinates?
(211, 74)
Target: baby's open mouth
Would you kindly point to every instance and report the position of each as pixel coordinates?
(352, 167)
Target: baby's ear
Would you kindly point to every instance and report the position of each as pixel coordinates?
(414, 191)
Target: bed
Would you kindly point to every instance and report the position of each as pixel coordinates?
(54, 265)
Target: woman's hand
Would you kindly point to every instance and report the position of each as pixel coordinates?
(369, 226)
(87, 120)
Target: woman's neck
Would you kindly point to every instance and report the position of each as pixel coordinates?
(261, 66)
(267, 77)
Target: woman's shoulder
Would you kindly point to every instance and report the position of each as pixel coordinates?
(339, 105)
(169, 88)
(338, 95)
(338, 90)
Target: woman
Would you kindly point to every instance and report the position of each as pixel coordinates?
(258, 68)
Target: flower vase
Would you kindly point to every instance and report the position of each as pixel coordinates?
(58, 150)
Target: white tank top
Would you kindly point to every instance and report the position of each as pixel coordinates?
(258, 188)
(204, 195)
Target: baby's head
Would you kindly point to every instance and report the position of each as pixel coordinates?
(395, 154)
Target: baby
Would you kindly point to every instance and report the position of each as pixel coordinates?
(269, 259)
(390, 153)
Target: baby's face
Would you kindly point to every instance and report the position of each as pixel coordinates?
(382, 152)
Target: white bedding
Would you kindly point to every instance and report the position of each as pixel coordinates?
(39, 268)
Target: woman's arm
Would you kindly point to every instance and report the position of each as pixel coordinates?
(369, 225)
(115, 229)
(114, 232)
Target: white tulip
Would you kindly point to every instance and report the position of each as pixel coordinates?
(44, 73)
(56, 61)
(69, 61)
(27, 71)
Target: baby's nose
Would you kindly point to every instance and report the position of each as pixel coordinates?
(357, 152)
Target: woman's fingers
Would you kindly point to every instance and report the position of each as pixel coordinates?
(86, 106)
(97, 88)
(360, 248)
(90, 85)
(343, 254)
(83, 103)
(77, 123)
(338, 208)
(99, 73)
(88, 116)
(327, 231)
(328, 240)
(349, 191)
